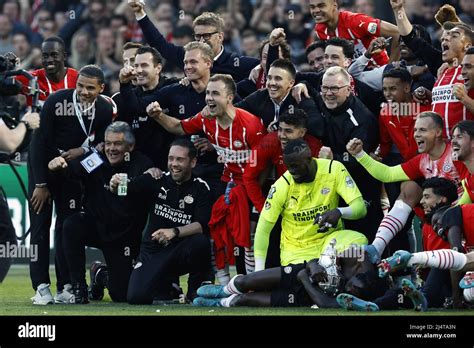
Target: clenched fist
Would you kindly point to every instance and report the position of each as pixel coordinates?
(355, 146)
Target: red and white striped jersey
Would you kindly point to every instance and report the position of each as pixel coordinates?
(446, 104)
(233, 144)
(358, 28)
(48, 87)
(422, 166)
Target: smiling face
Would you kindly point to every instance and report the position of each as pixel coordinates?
(334, 56)
(218, 98)
(430, 200)
(116, 147)
(279, 83)
(53, 58)
(88, 88)
(334, 99)
(426, 132)
(196, 66)
(180, 164)
(316, 59)
(323, 10)
(453, 44)
(288, 132)
(462, 145)
(468, 71)
(147, 74)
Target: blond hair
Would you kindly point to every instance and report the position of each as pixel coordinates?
(206, 50)
(211, 19)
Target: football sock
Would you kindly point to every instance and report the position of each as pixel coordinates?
(391, 224)
(231, 288)
(442, 259)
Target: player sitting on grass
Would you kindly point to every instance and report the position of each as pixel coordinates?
(315, 282)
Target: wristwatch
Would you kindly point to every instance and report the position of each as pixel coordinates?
(27, 125)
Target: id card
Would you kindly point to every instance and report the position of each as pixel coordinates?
(92, 162)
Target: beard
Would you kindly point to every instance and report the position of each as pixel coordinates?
(429, 216)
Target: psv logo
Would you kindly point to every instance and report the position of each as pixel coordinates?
(446, 167)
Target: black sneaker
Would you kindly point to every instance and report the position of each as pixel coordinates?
(176, 296)
(80, 294)
(98, 274)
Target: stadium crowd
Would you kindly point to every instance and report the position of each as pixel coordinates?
(300, 140)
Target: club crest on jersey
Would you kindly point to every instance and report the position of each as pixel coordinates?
(287, 269)
(460, 77)
(267, 205)
(188, 199)
(238, 143)
(325, 191)
(271, 192)
(446, 167)
(349, 182)
(372, 28)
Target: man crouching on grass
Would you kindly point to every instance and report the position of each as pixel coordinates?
(109, 222)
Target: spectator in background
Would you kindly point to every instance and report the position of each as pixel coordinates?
(250, 45)
(231, 34)
(188, 6)
(82, 50)
(38, 24)
(6, 35)
(297, 32)
(106, 54)
(425, 17)
(262, 19)
(182, 35)
(90, 18)
(165, 12)
(12, 9)
(22, 46)
(467, 11)
(365, 6)
(28, 56)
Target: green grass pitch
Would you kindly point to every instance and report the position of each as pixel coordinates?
(16, 291)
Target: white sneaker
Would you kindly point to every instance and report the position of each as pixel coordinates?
(64, 296)
(43, 295)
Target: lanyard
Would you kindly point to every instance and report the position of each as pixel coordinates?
(50, 88)
(79, 113)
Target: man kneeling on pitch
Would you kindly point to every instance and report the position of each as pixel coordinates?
(176, 240)
(108, 222)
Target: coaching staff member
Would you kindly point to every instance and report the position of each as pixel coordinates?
(72, 120)
(176, 241)
(109, 222)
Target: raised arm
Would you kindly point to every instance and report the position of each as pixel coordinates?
(169, 51)
(171, 124)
